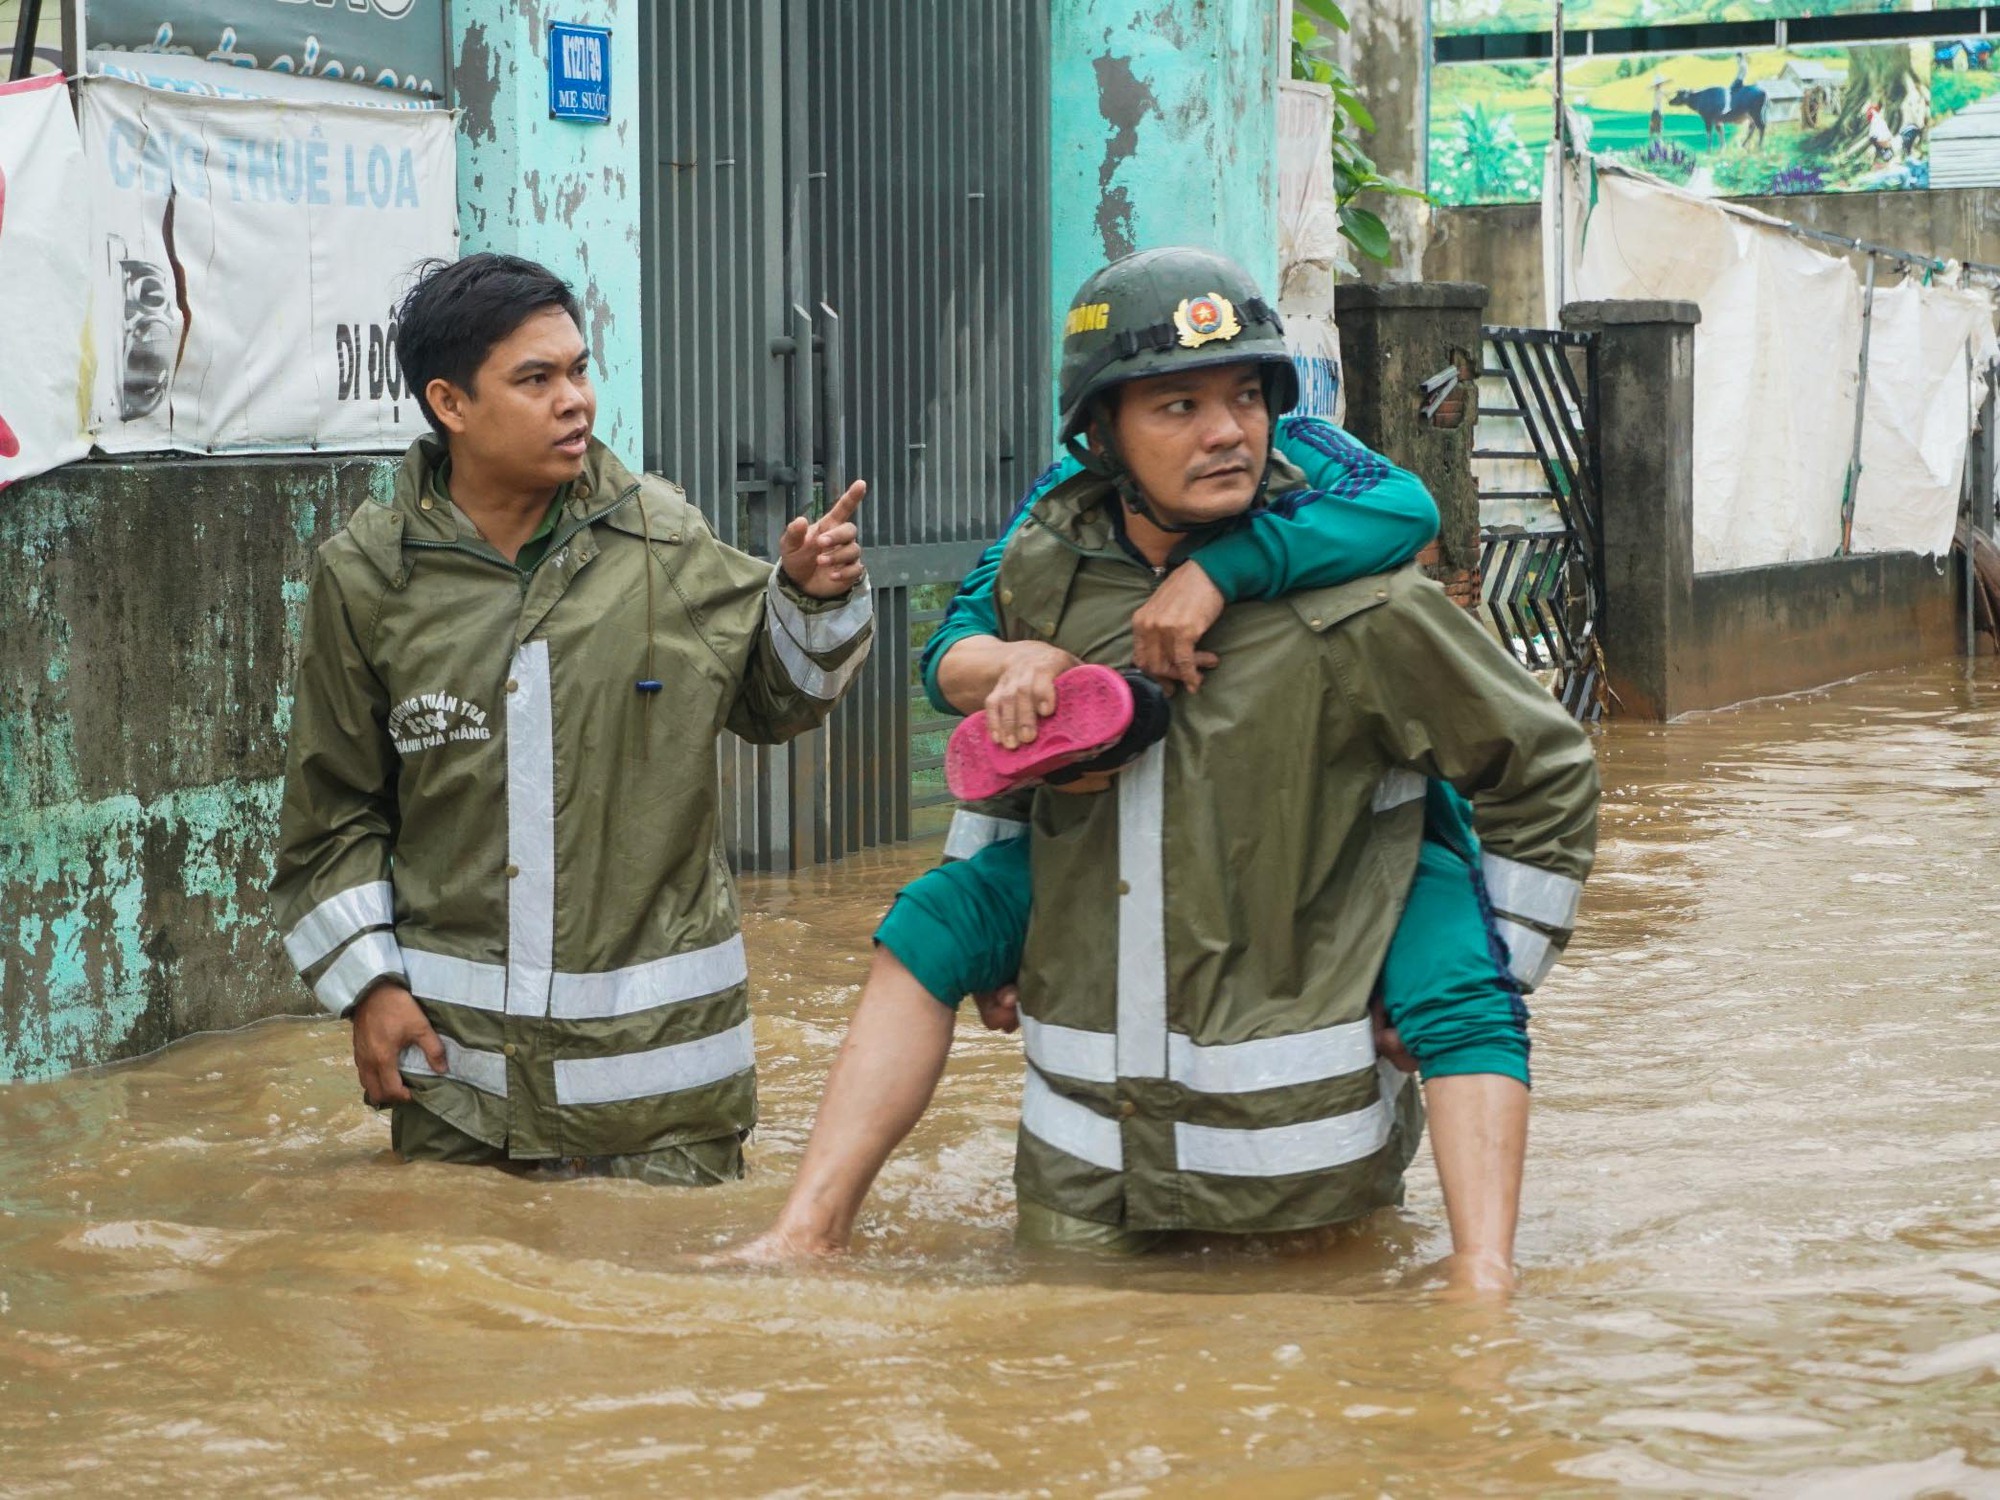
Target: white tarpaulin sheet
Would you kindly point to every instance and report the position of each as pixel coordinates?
(1311, 252)
(1776, 362)
(1310, 249)
(1777, 367)
(44, 284)
(1927, 351)
(247, 256)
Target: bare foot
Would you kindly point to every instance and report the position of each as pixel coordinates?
(776, 1246)
(1479, 1276)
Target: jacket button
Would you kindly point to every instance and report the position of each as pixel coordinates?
(513, 871)
(508, 1049)
(425, 503)
(1006, 596)
(1124, 887)
(1127, 1109)
(513, 685)
(1316, 622)
(582, 490)
(1381, 593)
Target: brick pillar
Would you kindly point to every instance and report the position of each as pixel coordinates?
(1645, 441)
(1393, 338)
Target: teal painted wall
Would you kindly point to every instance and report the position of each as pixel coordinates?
(150, 614)
(555, 191)
(1163, 129)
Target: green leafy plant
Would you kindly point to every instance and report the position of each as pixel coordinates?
(1490, 164)
(1314, 23)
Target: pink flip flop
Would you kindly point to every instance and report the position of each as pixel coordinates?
(1093, 710)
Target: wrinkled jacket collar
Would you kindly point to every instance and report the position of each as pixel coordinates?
(383, 528)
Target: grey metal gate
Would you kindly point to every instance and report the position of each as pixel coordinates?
(1542, 577)
(846, 249)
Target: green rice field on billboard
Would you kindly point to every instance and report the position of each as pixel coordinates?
(1493, 17)
(1824, 119)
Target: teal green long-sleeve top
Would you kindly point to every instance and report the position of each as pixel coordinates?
(1359, 514)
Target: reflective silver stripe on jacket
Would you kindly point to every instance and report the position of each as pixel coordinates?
(1142, 917)
(1274, 1151)
(1397, 787)
(830, 629)
(1221, 1068)
(584, 997)
(788, 626)
(971, 832)
(1068, 1126)
(1530, 954)
(1071, 1052)
(663, 1070)
(1533, 895)
(660, 981)
(531, 832)
(1284, 1150)
(485, 1071)
(1271, 1062)
(343, 915)
(372, 956)
(455, 981)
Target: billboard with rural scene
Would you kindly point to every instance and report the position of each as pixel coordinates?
(1491, 17)
(1724, 124)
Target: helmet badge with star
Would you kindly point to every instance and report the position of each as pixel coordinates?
(1202, 320)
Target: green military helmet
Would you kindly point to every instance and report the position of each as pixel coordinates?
(1175, 308)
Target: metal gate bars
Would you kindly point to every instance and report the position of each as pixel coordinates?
(1541, 555)
(844, 244)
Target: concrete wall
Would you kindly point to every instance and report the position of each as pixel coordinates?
(1163, 130)
(1501, 249)
(1393, 338)
(1759, 631)
(145, 668)
(1676, 641)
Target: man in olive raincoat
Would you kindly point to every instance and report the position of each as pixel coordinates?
(499, 851)
(1208, 924)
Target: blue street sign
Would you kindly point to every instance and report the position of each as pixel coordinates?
(579, 72)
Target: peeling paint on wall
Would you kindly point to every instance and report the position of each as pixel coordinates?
(1163, 130)
(143, 714)
(1123, 102)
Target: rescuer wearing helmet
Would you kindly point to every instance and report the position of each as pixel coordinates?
(1205, 936)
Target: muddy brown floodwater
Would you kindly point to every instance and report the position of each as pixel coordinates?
(1761, 1250)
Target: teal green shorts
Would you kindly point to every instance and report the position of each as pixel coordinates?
(1444, 984)
(959, 928)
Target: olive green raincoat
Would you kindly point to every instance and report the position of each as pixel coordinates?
(482, 803)
(1206, 934)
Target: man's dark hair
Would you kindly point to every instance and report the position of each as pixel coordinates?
(456, 311)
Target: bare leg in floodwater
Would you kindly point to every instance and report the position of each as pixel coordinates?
(895, 1051)
(881, 1083)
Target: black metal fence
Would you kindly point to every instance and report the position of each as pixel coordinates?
(846, 245)
(1536, 462)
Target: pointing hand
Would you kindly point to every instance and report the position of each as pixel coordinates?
(823, 557)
